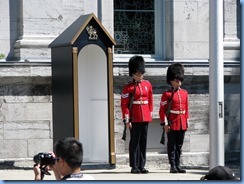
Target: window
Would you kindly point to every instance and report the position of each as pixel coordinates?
(134, 27)
(138, 28)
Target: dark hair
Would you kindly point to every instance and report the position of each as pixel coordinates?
(220, 173)
(136, 64)
(175, 71)
(70, 150)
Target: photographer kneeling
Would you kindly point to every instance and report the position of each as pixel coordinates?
(65, 161)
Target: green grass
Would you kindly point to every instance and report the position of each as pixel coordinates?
(2, 56)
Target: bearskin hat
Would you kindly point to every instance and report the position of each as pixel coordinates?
(175, 71)
(136, 64)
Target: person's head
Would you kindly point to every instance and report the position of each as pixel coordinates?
(69, 150)
(175, 75)
(136, 67)
(220, 173)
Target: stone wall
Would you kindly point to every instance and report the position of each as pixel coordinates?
(197, 139)
(25, 111)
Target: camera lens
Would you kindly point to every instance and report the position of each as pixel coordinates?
(36, 159)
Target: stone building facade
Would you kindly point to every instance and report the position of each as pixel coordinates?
(181, 29)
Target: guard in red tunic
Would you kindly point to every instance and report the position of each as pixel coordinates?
(140, 115)
(176, 123)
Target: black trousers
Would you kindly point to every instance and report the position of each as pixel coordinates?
(175, 143)
(138, 145)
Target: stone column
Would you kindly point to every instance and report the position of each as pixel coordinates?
(232, 30)
(8, 16)
(41, 21)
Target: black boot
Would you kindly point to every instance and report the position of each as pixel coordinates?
(173, 169)
(143, 170)
(171, 157)
(135, 170)
(177, 161)
(180, 170)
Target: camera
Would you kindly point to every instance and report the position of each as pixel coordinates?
(44, 159)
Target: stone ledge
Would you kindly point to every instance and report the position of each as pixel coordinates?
(160, 161)
(192, 160)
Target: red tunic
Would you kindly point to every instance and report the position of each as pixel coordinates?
(180, 115)
(141, 111)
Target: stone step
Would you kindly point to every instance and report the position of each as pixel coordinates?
(158, 160)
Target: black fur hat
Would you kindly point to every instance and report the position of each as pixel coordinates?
(175, 71)
(136, 64)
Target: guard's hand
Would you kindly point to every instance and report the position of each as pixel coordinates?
(128, 125)
(167, 128)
